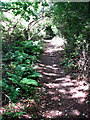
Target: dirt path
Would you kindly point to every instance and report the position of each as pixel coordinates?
(61, 96)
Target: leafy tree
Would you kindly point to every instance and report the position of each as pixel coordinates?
(72, 21)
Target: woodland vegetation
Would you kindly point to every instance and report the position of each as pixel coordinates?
(22, 46)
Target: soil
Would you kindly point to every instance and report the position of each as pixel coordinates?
(61, 96)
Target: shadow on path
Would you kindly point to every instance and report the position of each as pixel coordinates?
(61, 96)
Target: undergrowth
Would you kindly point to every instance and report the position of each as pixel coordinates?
(74, 26)
(20, 79)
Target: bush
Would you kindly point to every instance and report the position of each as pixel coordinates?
(18, 68)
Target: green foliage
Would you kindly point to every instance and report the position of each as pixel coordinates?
(20, 54)
(71, 20)
(24, 9)
(13, 113)
(29, 81)
(45, 4)
(35, 75)
(18, 68)
(17, 8)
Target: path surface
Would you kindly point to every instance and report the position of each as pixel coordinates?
(61, 96)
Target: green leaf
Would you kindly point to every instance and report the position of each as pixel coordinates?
(45, 4)
(29, 81)
(35, 75)
(86, 26)
(19, 114)
(25, 6)
(17, 13)
(22, 13)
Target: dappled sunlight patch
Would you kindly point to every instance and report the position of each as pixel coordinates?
(54, 68)
(62, 71)
(50, 92)
(67, 80)
(68, 76)
(67, 84)
(59, 79)
(62, 91)
(40, 71)
(55, 98)
(52, 85)
(83, 85)
(48, 78)
(42, 65)
(79, 88)
(75, 112)
(79, 91)
(74, 81)
(48, 66)
(50, 74)
(58, 41)
(54, 65)
(73, 90)
(52, 113)
(49, 50)
(55, 44)
(81, 100)
(79, 94)
(27, 116)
